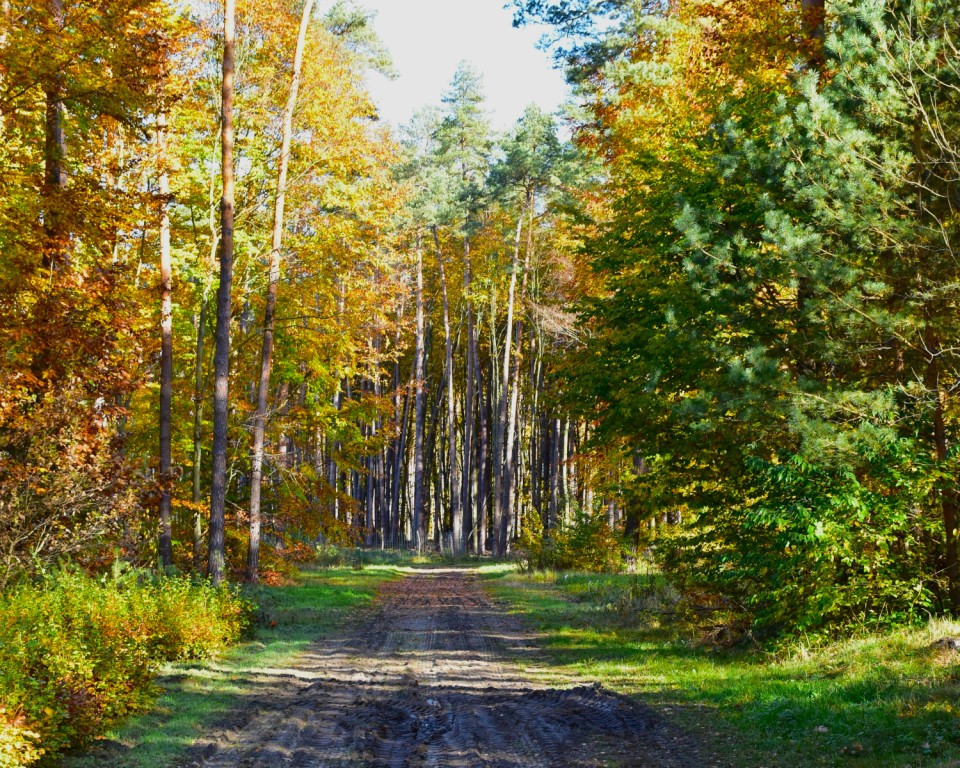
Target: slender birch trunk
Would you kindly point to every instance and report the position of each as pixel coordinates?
(269, 318)
(198, 395)
(456, 510)
(166, 351)
(510, 459)
(501, 460)
(420, 410)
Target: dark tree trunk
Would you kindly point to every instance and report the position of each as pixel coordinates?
(54, 158)
(400, 456)
(469, 402)
(216, 560)
(948, 495)
(814, 17)
(483, 457)
(554, 474)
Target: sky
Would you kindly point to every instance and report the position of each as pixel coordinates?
(429, 38)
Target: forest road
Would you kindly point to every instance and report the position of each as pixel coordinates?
(435, 676)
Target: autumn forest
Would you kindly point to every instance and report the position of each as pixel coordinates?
(703, 322)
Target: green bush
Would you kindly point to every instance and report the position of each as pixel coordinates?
(820, 543)
(77, 653)
(18, 745)
(588, 544)
(190, 620)
(331, 556)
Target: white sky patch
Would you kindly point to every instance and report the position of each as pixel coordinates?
(429, 38)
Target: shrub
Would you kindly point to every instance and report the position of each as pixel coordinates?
(818, 545)
(77, 653)
(331, 556)
(18, 745)
(630, 598)
(588, 544)
(190, 620)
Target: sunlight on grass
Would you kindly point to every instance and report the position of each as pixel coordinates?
(873, 700)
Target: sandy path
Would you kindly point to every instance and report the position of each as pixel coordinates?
(434, 680)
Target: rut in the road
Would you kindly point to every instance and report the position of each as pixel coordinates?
(433, 680)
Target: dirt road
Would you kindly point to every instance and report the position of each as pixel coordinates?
(434, 678)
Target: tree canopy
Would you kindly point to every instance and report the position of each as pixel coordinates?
(707, 316)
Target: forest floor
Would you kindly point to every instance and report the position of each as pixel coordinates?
(401, 664)
(433, 673)
(867, 699)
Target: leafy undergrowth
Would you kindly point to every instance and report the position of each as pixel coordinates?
(874, 700)
(196, 695)
(79, 653)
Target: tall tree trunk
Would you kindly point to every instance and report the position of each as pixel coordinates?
(432, 460)
(216, 560)
(374, 520)
(501, 460)
(54, 158)
(470, 398)
(398, 459)
(510, 457)
(166, 351)
(565, 471)
(553, 509)
(198, 395)
(420, 410)
(483, 456)
(948, 495)
(496, 453)
(814, 17)
(456, 510)
(536, 428)
(269, 317)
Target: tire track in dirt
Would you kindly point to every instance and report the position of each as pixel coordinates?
(433, 680)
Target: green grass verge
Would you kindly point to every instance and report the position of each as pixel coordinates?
(195, 696)
(870, 701)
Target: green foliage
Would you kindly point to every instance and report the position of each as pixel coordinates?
(773, 330)
(883, 699)
(77, 653)
(587, 544)
(19, 746)
(633, 599)
(331, 556)
(818, 544)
